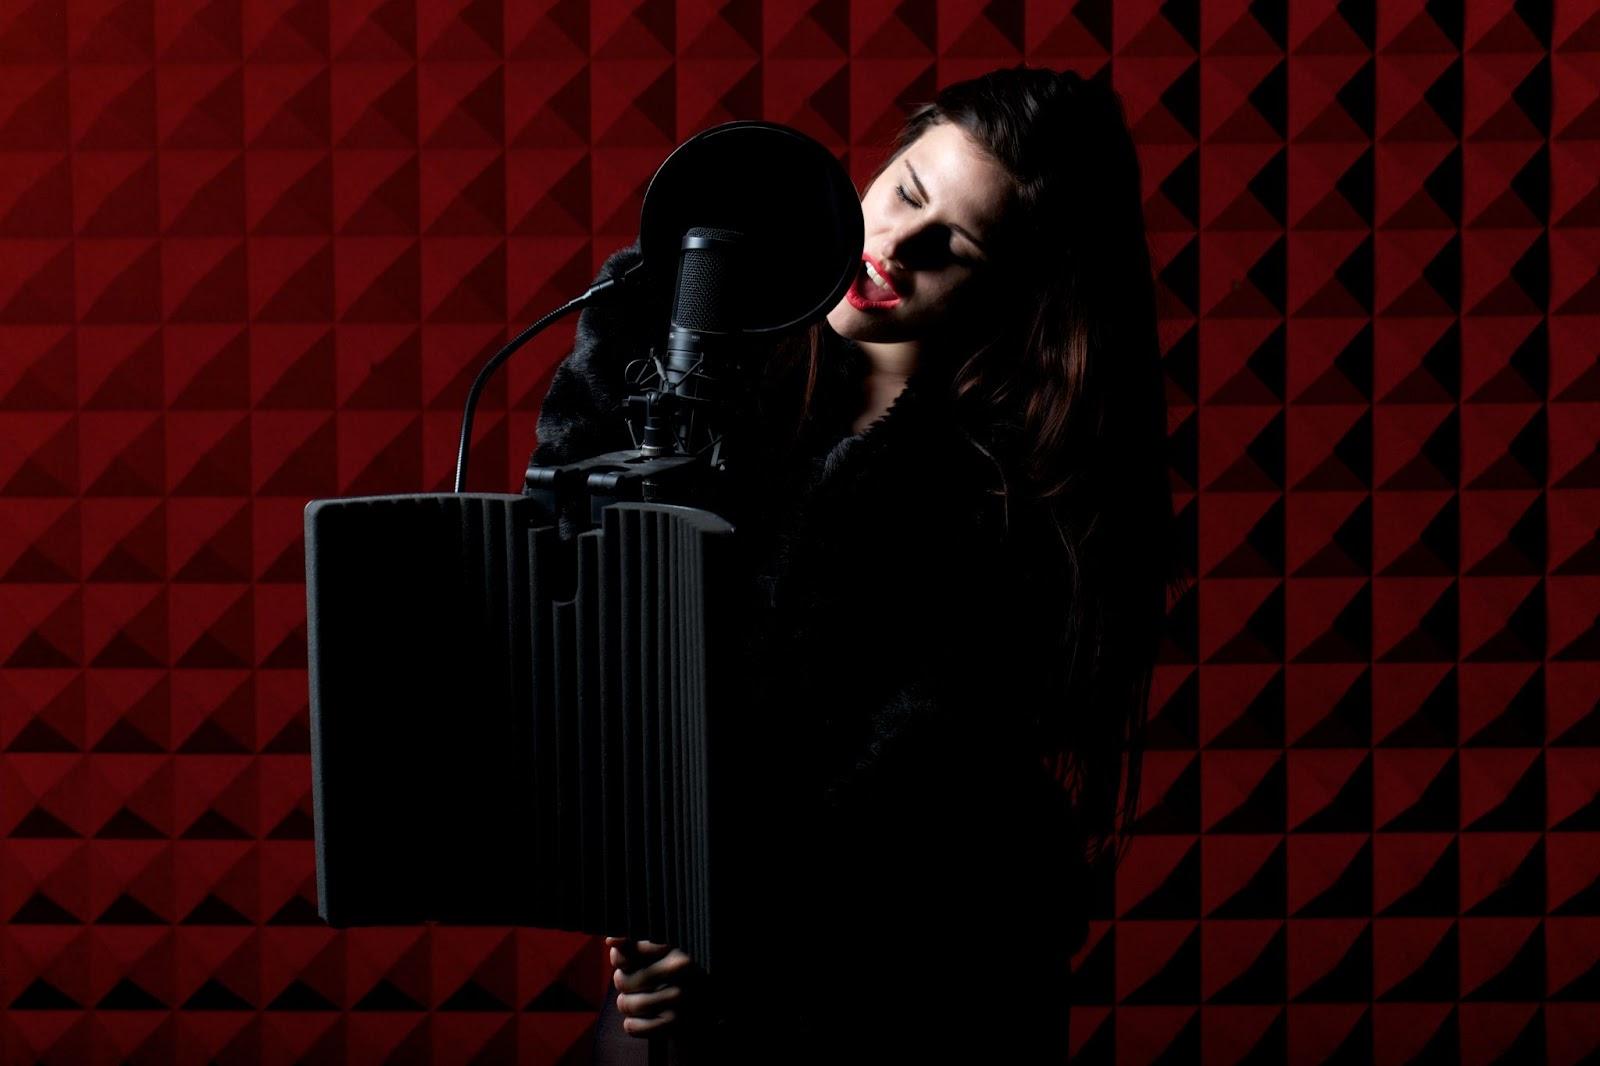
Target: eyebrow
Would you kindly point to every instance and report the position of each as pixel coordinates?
(953, 225)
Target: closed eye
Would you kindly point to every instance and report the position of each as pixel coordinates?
(900, 191)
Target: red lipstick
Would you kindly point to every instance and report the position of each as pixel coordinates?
(858, 289)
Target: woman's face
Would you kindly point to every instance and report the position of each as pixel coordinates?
(933, 229)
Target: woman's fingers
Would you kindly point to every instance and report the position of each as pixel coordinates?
(670, 969)
(651, 981)
(649, 1004)
(631, 954)
(646, 1026)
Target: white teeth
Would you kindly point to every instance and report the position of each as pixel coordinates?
(877, 277)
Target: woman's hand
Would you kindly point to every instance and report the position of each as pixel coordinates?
(660, 988)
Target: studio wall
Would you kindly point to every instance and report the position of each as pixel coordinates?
(253, 251)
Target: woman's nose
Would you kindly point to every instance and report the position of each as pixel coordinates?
(905, 244)
(896, 247)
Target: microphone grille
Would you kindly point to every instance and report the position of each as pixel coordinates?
(709, 293)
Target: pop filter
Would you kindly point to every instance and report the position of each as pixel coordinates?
(792, 202)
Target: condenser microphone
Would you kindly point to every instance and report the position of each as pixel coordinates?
(709, 312)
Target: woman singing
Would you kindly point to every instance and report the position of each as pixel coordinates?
(959, 528)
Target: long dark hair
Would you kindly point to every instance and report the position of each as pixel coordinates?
(1071, 394)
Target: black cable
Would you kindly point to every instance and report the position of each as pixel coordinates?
(505, 353)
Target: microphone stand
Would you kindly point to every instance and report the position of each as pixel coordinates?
(661, 468)
(680, 455)
(703, 186)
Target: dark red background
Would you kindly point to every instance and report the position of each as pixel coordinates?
(252, 250)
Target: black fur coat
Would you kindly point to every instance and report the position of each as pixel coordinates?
(901, 627)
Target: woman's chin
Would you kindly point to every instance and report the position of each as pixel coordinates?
(844, 320)
(858, 325)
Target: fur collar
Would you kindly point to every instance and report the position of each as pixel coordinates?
(921, 425)
(893, 614)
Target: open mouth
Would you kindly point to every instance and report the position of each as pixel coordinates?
(873, 285)
(867, 292)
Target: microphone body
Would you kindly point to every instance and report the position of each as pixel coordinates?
(709, 309)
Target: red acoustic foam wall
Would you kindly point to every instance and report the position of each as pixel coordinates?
(252, 252)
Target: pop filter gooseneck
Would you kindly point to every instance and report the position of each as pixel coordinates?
(510, 349)
(747, 228)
